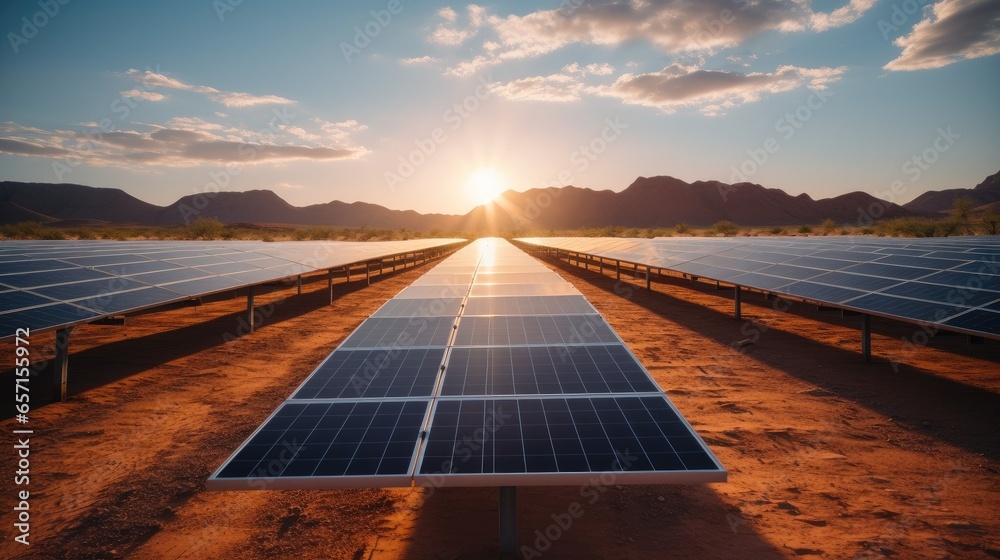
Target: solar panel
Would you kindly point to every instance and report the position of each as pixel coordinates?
(540, 370)
(433, 307)
(45, 316)
(551, 289)
(501, 330)
(529, 305)
(330, 445)
(560, 440)
(539, 382)
(119, 277)
(49, 278)
(382, 373)
(393, 332)
(933, 281)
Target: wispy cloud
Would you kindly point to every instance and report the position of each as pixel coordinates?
(557, 87)
(672, 26)
(447, 34)
(604, 69)
(183, 142)
(153, 80)
(427, 59)
(954, 30)
(713, 92)
(144, 95)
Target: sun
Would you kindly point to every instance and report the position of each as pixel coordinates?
(485, 185)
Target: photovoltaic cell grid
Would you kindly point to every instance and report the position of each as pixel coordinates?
(51, 284)
(528, 389)
(953, 283)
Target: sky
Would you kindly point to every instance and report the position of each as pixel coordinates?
(436, 106)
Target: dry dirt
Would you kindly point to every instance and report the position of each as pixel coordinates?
(828, 457)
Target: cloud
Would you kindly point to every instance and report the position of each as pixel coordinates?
(604, 69)
(954, 30)
(184, 142)
(420, 60)
(448, 14)
(713, 92)
(673, 26)
(557, 87)
(287, 185)
(17, 147)
(249, 100)
(841, 16)
(153, 80)
(144, 95)
(446, 34)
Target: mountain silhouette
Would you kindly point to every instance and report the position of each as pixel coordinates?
(648, 202)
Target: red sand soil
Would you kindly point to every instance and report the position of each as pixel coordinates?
(828, 457)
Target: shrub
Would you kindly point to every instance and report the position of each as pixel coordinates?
(776, 231)
(805, 228)
(682, 228)
(204, 228)
(828, 225)
(726, 228)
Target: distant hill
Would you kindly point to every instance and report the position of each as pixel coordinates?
(73, 202)
(666, 201)
(983, 194)
(648, 202)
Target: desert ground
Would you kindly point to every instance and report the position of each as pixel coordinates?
(828, 456)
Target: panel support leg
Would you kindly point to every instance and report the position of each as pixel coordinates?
(866, 337)
(368, 273)
(329, 283)
(618, 270)
(348, 269)
(738, 303)
(250, 307)
(298, 284)
(381, 267)
(647, 279)
(508, 522)
(61, 365)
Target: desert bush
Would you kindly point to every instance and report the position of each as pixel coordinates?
(726, 228)
(917, 227)
(776, 231)
(682, 228)
(806, 228)
(204, 228)
(990, 223)
(828, 225)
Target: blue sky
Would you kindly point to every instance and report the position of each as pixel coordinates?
(435, 106)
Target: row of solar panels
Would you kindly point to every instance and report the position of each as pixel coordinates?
(488, 370)
(953, 283)
(53, 284)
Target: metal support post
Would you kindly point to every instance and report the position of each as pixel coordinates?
(738, 303)
(61, 366)
(508, 522)
(329, 283)
(250, 307)
(866, 337)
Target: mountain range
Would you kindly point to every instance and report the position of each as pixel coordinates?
(648, 202)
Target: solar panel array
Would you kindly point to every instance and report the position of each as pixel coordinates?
(51, 284)
(952, 283)
(452, 384)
